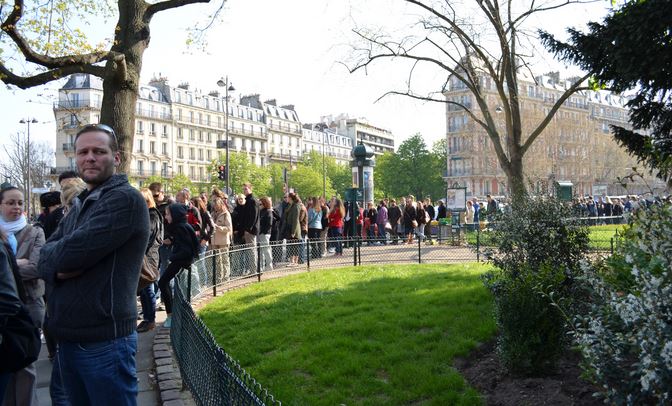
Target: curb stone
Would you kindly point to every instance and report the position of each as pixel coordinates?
(171, 389)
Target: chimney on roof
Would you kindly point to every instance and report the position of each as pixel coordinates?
(251, 100)
(272, 102)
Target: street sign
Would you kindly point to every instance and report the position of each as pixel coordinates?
(221, 144)
(354, 194)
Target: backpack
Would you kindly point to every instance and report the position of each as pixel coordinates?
(192, 220)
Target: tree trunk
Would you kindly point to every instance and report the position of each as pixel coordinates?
(515, 178)
(122, 78)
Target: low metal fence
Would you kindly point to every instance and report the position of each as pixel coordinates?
(215, 378)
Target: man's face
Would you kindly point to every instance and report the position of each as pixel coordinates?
(247, 190)
(95, 160)
(181, 197)
(159, 196)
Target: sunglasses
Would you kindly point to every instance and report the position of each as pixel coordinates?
(98, 127)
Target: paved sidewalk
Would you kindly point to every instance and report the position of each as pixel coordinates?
(148, 390)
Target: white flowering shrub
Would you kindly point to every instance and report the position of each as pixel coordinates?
(626, 338)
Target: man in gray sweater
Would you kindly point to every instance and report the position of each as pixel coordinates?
(93, 264)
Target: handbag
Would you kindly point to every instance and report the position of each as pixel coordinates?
(388, 226)
(414, 223)
(19, 341)
(148, 274)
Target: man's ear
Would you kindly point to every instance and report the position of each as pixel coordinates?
(117, 159)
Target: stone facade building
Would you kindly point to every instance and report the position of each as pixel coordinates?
(576, 145)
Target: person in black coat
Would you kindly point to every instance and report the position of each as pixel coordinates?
(442, 212)
(185, 247)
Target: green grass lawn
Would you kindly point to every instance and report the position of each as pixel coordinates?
(600, 236)
(368, 335)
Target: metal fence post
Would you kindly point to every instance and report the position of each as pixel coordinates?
(189, 285)
(258, 261)
(478, 242)
(354, 251)
(214, 273)
(419, 250)
(612, 245)
(307, 242)
(359, 251)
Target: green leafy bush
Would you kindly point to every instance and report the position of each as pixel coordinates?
(537, 249)
(531, 329)
(626, 337)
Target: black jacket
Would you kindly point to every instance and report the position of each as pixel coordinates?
(184, 241)
(394, 215)
(265, 221)
(443, 213)
(101, 244)
(250, 220)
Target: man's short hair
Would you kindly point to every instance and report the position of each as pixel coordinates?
(103, 128)
(67, 175)
(155, 187)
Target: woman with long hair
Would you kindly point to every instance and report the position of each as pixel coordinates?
(336, 215)
(315, 227)
(221, 238)
(410, 218)
(206, 223)
(147, 294)
(26, 242)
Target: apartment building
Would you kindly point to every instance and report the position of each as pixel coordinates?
(575, 146)
(320, 138)
(177, 128)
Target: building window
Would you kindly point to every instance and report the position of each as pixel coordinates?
(152, 129)
(141, 168)
(180, 169)
(200, 154)
(209, 154)
(140, 146)
(164, 132)
(209, 138)
(180, 153)
(164, 148)
(192, 136)
(179, 134)
(152, 168)
(151, 147)
(192, 154)
(139, 129)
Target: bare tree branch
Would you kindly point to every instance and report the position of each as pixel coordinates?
(572, 89)
(25, 82)
(167, 5)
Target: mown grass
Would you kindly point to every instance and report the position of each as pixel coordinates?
(600, 236)
(358, 336)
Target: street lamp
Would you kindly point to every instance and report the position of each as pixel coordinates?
(322, 127)
(27, 123)
(228, 87)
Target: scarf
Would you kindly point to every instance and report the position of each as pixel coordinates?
(11, 228)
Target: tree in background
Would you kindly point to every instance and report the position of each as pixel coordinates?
(411, 170)
(479, 47)
(15, 165)
(241, 170)
(308, 182)
(632, 49)
(340, 176)
(42, 38)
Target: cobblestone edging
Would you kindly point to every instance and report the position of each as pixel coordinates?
(171, 390)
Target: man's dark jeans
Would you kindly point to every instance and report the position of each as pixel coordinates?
(100, 373)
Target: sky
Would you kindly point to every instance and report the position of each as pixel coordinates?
(293, 51)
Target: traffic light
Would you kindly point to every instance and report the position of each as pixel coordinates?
(221, 172)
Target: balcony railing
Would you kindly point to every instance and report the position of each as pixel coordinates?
(77, 104)
(248, 133)
(68, 147)
(285, 128)
(153, 114)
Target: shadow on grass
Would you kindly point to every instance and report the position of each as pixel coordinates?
(367, 335)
